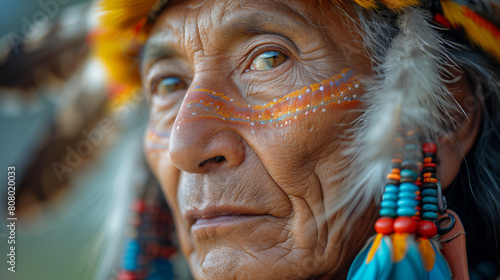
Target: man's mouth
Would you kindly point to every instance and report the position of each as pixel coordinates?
(221, 216)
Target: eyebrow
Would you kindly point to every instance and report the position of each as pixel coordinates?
(154, 50)
(252, 23)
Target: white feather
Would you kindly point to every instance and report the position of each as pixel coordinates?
(409, 90)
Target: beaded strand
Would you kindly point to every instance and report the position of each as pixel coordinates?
(384, 224)
(427, 227)
(408, 210)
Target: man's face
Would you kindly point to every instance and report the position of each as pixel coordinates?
(250, 105)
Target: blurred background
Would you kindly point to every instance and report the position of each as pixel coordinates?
(76, 146)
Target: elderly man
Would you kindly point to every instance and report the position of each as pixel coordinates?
(274, 124)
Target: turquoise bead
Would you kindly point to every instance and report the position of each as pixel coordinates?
(407, 203)
(387, 212)
(430, 208)
(430, 192)
(389, 196)
(407, 195)
(430, 200)
(409, 173)
(391, 189)
(429, 215)
(411, 147)
(406, 211)
(409, 187)
(388, 204)
(407, 162)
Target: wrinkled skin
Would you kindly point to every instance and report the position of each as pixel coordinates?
(250, 201)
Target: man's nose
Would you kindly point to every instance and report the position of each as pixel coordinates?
(203, 139)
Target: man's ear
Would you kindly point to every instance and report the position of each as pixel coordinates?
(458, 141)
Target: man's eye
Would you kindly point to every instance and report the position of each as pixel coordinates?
(268, 60)
(168, 85)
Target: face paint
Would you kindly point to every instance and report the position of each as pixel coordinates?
(157, 141)
(320, 96)
(204, 103)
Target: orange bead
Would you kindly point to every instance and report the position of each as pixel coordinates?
(397, 160)
(431, 180)
(394, 176)
(405, 225)
(395, 171)
(384, 226)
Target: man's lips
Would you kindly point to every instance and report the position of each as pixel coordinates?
(214, 215)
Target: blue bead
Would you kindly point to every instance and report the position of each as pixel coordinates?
(410, 187)
(430, 200)
(408, 162)
(430, 192)
(411, 195)
(430, 208)
(429, 215)
(391, 189)
(388, 204)
(387, 212)
(406, 211)
(132, 243)
(130, 264)
(389, 196)
(409, 173)
(407, 203)
(411, 147)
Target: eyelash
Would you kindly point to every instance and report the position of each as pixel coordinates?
(156, 81)
(262, 49)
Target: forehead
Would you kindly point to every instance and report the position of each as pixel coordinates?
(206, 19)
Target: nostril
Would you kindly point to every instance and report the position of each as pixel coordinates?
(220, 159)
(214, 159)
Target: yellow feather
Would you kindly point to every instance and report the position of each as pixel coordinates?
(118, 56)
(428, 253)
(399, 5)
(367, 4)
(123, 15)
(373, 249)
(479, 31)
(395, 5)
(400, 246)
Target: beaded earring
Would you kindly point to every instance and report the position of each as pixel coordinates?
(403, 246)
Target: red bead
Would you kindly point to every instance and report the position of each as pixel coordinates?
(167, 252)
(429, 148)
(430, 164)
(384, 226)
(405, 225)
(138, 206)
(427, 229)
(127, 275)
